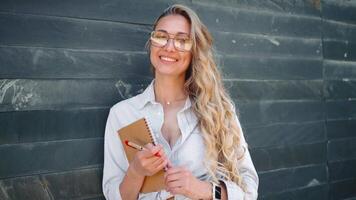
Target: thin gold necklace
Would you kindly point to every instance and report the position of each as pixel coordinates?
(175, 101)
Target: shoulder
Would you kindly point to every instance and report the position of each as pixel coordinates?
(125, 111)
(130, 105)
(127, 104)
(134, 103)
(131, 109)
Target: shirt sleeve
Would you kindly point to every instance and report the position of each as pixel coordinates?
(248, 174)
(113, 173)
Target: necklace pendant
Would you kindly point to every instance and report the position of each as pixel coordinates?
(168, 103)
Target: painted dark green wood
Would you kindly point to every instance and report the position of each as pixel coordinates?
(342, 149)
(284, 134)
(264, 113)
(84, 184)
(341, 109)
(344, 189)
(275, 90)
(343, 50)
(52, 125)
(230, 19)
(339, 11)
(287, 157)
(339, 70)
(37, 94)
(342, 170)
(344, 89)
(40, 157)
(272, 68)
(309, 193)
(337, 129)
(60, 32)
(54, 63)
(133, 11)
(292, 178)
(228, 43)
(23, 188)
(290, 6)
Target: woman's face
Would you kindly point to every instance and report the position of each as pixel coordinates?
(167, 60)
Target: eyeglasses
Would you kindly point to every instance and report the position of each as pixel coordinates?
(181, 41)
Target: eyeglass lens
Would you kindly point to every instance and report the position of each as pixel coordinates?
(181, 42)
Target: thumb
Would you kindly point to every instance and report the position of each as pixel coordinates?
(169, 164)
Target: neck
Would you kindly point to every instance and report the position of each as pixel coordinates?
(169, 90)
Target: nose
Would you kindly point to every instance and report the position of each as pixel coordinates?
(170, 45)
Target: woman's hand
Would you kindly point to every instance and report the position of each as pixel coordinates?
(145, 163)
(179, 180)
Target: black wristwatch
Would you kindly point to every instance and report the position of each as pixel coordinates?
(216, 191)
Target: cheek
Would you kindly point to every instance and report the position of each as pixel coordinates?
(152, 52)
(187, 60)
(153, 55)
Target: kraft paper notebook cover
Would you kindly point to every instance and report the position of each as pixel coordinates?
(140, 133)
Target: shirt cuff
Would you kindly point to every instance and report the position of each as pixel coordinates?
(233, 190)
(113, 192)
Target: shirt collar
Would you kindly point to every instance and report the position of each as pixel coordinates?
(148, 96)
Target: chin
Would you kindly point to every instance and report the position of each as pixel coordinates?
(166, 71)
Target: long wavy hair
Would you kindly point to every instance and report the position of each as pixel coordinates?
(210, 102)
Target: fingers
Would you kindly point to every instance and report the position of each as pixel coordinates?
(154, 164)
(169, 164)
(172, 175)
(148, 163)
(159, 164)
(174, 170)
(177, 190)
(177, 180)
(151, 150)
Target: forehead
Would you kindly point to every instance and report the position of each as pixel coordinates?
(174, 24)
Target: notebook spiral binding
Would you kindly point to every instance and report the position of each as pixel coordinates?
(152, 135)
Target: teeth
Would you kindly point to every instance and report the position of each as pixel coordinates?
(168, 59)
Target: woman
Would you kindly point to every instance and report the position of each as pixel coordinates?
(199, 135)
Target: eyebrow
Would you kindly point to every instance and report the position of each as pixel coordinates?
(179, 33)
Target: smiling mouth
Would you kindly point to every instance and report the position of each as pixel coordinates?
(168, 59)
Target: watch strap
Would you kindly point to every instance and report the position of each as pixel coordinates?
(216, 191)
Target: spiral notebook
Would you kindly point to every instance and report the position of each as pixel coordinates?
(140, 133)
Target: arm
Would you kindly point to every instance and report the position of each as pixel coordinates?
(130, 186)
(118, 182)
(248, 174)
(114, 170)
(145, 163)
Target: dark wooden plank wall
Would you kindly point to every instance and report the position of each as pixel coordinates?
(339, 49)
(289, 66)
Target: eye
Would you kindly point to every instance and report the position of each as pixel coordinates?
(183, 42)
(159, 38)
(160, 35)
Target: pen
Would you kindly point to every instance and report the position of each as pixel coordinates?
(138, 147)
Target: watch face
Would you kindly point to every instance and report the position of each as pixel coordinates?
(217, 192)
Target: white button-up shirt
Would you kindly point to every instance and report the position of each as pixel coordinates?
(188, 151)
